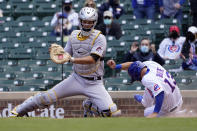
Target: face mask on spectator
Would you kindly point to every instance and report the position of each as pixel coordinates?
(144, 49)
(67, 8)
(174, 35)
(107, 21)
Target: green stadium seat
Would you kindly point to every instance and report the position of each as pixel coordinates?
(4, 88)
(6, 19)
(7, 76)
(47, 10)
(7, 9)
(27, 18)
(24, 9)
(11, 82)
(115, 81)
(42, 54)
(19, 69)
(53, 75)
(142, 22)
(32, 63)
(47, 18)
(45, 68)
(21, 54)
(2, 69)
(3, 54)
(66, 74)
(25, 88)
(30, 75)
(43, 83)
(16, 3)
(11, 46)
(39, 3)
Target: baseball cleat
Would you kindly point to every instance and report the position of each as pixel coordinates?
(116, 114)
(138, 98)
(14, 113)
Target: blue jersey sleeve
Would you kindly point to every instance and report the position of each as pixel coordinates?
(158, 102)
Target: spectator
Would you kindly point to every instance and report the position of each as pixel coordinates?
(91, 3)
(189, 50)
(144, 9)
(144, 53)
(70, 19)
(171, 9)
(170, 48)
(113, 6)
(193, 5)
(109, 27)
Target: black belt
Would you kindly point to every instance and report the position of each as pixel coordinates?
(173, 109)
(92, 78)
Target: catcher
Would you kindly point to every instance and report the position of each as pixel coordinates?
(85, 49)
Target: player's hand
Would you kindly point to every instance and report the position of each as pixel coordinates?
(177, 6)
(153, 115)
(111, 64)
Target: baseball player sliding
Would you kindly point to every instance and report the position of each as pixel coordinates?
(162, 96)
(87, 48)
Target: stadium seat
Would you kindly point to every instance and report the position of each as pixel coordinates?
(3, 54)
(7, 76)
(30, 75)
(27, 18)
(53, 75)
(43, 83)
(4, 88)
(25, 88)
(32, 63)
(45, 69)
(16, 3)
(47, 10)
(115, 81)
(7, 9)
(10, 83)
(21, 54)
(24, 9)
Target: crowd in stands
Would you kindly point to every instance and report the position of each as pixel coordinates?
(176, 45)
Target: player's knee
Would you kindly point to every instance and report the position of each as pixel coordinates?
(44, 99)
(112, 111)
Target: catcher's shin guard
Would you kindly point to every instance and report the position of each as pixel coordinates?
(40, 100)
(111, 112)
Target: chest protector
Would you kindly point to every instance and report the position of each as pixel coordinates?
(82, 47)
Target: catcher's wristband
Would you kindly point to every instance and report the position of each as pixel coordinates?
(71, 60)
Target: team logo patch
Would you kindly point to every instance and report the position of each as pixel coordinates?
(156, 87)
(174, 48)
(98, 49)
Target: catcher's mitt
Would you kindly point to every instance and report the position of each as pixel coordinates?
(58, 55)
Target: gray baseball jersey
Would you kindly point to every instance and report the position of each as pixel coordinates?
(77, 83)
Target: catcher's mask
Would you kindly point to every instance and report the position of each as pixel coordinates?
(87, 20)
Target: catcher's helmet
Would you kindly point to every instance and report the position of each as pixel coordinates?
(87, 14)
(135, 70)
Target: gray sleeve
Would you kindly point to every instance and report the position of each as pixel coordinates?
(68, 47)
(99, 46)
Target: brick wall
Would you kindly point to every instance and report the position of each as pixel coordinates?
(72, 107)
